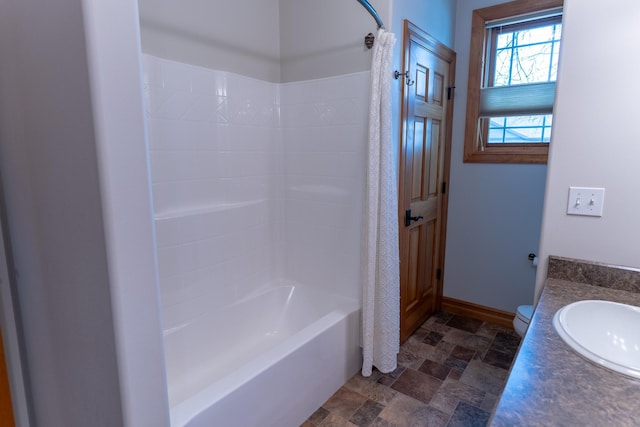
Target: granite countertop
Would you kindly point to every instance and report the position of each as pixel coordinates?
(550, 384)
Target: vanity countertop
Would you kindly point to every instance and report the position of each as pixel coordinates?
(551, 385)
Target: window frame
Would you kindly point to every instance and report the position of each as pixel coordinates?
(474, 151)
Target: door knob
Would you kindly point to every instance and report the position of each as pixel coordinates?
(408, 218)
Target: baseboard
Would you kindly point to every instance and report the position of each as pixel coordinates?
(476, 311)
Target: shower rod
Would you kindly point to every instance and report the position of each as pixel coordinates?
(373, 12)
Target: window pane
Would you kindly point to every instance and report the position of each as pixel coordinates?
(496, 136)
(520, 129)
(557, 32)
(503, 68)
(531, 64)
(524, 121)
(525, 134)
(504, 40)
(526, 55)
(536, 35)
(497, 121)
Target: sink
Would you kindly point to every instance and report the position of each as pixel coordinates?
(606, 333)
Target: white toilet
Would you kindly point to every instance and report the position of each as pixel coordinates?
(522, 319)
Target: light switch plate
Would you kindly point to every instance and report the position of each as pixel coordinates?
(587, 201)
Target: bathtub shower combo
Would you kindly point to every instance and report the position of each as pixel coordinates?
(258, 202)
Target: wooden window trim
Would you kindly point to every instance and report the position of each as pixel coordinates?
(509, 153)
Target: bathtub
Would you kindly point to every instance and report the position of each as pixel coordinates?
(268, 360)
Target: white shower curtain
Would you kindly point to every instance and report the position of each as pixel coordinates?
(380, 259)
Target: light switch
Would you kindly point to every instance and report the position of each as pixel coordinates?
(585, 201)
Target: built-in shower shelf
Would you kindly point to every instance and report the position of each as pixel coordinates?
(199, 210)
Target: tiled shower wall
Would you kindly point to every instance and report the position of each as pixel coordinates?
(253, 182)
(324, 128)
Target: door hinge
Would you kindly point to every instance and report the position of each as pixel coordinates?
(438, 274)
(450, 91)
(444, 187)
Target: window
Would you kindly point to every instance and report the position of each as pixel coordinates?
(512, 72)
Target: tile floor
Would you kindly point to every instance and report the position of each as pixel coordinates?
(450, 373)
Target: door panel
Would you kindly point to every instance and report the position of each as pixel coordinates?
(413, 296)
(418, 161)
(434, 158)
(423, 169)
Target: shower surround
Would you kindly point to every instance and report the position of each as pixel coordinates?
(257, 191)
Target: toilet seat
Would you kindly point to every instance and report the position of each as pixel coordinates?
(522, 319)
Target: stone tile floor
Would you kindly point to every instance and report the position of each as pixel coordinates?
(450, 373)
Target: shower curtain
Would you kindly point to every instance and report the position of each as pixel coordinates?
(380, 257)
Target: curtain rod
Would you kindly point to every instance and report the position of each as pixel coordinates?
(373, 12)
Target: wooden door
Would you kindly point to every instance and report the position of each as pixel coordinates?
(424, 170)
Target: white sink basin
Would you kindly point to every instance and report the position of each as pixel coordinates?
(605, 332)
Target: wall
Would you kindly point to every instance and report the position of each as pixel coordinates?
(80, 227)
(67, 212)
(48, 164)
(595, 135)
(289, 40)
(326, 38)
(321, 39)
(240, 36)
(292, 39)
(494, 209)
(436, 17)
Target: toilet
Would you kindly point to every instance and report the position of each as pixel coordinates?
(522, 319)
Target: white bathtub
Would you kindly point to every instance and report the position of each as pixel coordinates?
(268, 360)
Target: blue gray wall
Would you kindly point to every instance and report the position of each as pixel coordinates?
(494, 209)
